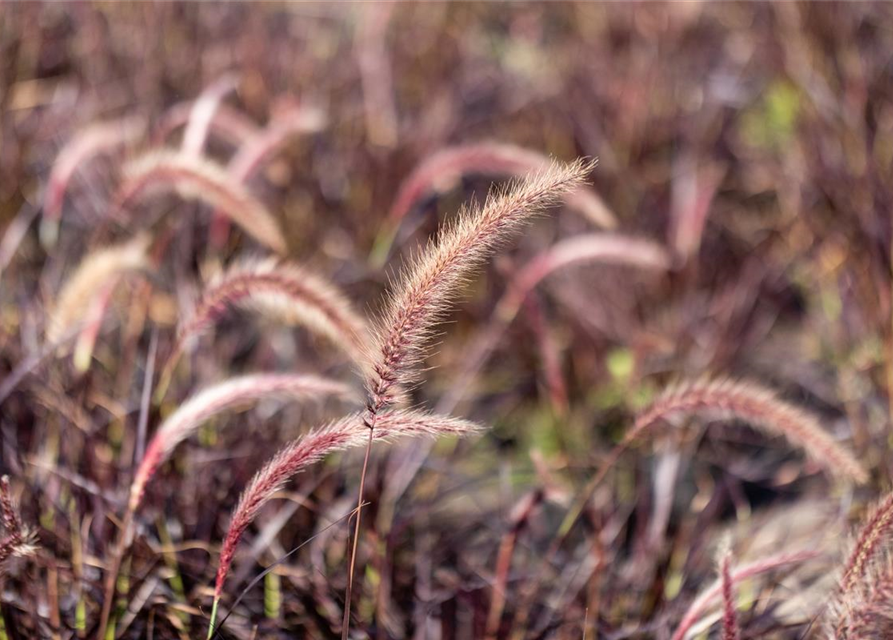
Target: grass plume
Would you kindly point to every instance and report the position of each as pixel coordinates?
(872, 535)
(715, 591)
(759, 407)
(99, 138)
(224, 396)
(19, 540)
(433, 279)
(86, 340)
(196, 178)
(863, 604)
(216, 399)
(96, 272)
(283, 292)
(346, 433)
(730, 615)
(202, 114)
(866, 611)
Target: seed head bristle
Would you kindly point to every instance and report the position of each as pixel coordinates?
(345, 433)
(197, 178)
(95, 272)
(282, 292)
(443, 169)
(759, 407)
(432, 280)
(216, 399)
(738, 574)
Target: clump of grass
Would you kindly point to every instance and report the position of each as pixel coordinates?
(422, 295)
(225, 396)
(745, 401)
(196, 178)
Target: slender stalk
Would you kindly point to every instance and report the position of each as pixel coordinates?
(345, 622)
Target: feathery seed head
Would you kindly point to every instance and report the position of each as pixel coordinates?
(444, 168)
(348, 432)
(96, 272)
(865, 610)
(730, 616)
(282, 292)
(873, 534)
(19, 540)
(760, 407)
(193, 177)
(432, 280)
(224, 396)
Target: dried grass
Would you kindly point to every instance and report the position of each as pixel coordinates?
(873, 534)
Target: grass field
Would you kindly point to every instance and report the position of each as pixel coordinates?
(446, 320)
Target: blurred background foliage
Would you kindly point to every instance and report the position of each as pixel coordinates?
(773, 120)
